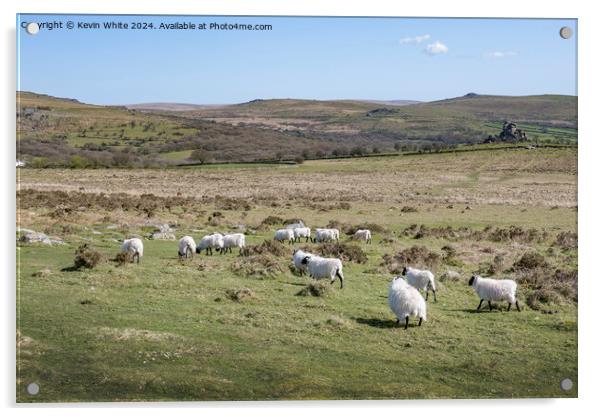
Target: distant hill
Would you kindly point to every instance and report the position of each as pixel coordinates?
(58, 131)
(169, 106)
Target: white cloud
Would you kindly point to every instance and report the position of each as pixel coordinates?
(414, 40)
(500, 54)
(436, 48)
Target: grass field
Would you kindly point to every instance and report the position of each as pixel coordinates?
(167, 329)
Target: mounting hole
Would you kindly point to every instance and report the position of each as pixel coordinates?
(566, 384)
(33, 389)
(566, 32)
(32, 28)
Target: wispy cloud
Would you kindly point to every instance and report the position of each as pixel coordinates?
(414, 40)
(500, 54)
(436, 48)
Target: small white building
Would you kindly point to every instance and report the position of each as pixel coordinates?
(20, 163)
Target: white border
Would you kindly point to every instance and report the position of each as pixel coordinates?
(589, 192)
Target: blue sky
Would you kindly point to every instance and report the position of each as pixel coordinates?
(311, 58)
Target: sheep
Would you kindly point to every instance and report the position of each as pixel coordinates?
(364, 235)
(133, 246)
(325, 235)
(493, 289)
(298, 256)
(406, 301)
(302, 232)
(421, 280)
(285, 234)
(210, 242)
(295, 225)
(322, 268)
(186, 247)
(233, 240)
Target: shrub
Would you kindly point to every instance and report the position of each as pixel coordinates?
(259, 265)
(497, 265)
(566, 240)
(343, 251)
(272, 247)
(415, 256)
(530, 260)
(123, 258)
(272, 220)
(86, 257)
(409, 209)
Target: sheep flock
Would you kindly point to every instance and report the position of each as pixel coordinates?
(404, 297)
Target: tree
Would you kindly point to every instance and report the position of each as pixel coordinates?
(201, 156)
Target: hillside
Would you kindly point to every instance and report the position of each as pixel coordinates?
(57, 132)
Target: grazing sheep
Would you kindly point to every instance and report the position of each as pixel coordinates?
(302, 232)
(421, 280)
(285, 234)
(133, 246)
(364, 235)
(406, 301)
(210, 242)
(298, 256)
(186, 247)
(496, 290)
(233, 240)
(324, 235)
(322, 268)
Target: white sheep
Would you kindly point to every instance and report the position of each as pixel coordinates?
(323, 268)
(324, 235)
(493, 289)
(421, 280)
(295, 225)
(298, 256)
(364, 235)
(302, 232)
(285, 234)
(210, 242)
(406, 301)
(186, 247)
(133, 246)
(233, 240)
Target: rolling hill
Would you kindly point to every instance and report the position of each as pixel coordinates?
(57, 131)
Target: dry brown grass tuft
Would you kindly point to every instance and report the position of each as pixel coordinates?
(318, 288)
(343, 251)
(240, 295)
(258, 265)
(272, 247)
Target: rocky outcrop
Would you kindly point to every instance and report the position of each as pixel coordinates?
(510, 133)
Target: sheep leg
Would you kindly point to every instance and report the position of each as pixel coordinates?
(480, 303)
(420, 322)
(517, 307)
(509, 306)
(397, 322)
(490, 307)
(407, 321)
(427, 294)
(137, 255)
(340, 275)
(435, 295)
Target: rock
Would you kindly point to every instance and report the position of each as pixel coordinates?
(35, 237)
(450, 275)
(162, 236)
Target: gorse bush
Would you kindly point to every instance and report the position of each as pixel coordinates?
(86, 257)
